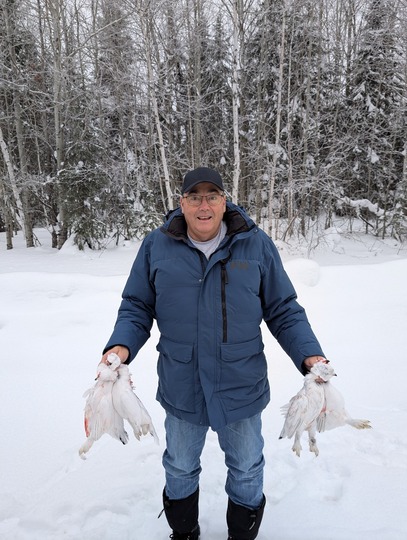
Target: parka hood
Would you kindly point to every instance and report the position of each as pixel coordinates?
(235, 217)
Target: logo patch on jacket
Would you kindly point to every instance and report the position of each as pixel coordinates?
(239, 265)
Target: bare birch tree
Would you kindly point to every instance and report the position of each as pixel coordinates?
(19, 214)
(17, 82)
(236, 60)
(276, 151)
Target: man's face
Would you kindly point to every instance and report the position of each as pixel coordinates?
(203, 221)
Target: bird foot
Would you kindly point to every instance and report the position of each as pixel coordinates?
(313, 447)
(359, 424)
(297, 449)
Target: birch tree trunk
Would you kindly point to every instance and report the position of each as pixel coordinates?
(45, 158)
(147, 31)
(6, 215)
(28, 230)
(9, 19)
(54, 14)
(272, 181)
(290, 174)
(197, 81)
(19, 215)
(235, 98)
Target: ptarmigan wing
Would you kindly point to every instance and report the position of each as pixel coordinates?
(295, 415)
(334, 414)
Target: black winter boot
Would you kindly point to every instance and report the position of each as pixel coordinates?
(182, 516)
(244, 523)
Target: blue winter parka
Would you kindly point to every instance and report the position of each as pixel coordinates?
(211, 366)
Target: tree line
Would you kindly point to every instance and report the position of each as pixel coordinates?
(105, 104)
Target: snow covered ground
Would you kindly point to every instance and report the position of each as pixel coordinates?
(56, 313)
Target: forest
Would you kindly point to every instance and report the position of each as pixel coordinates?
(105, 104)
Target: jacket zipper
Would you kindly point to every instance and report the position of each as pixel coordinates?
(224, 282)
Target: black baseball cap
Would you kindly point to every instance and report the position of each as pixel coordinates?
(201, 174)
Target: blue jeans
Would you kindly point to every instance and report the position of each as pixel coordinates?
(242, 444)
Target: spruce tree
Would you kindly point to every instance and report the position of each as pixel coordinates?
(375, 123)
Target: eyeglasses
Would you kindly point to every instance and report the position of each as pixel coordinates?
(214, 199)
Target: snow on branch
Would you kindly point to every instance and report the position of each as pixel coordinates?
(360, 204)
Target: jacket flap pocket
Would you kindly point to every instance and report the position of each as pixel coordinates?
(246, 349)
(182, 352)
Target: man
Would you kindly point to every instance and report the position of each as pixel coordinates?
(209, 276)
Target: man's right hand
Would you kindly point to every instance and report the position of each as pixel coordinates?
(122, 353)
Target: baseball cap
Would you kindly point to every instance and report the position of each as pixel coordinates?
(201, 174)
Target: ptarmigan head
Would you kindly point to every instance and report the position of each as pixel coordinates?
(323, 371)
(105, 373)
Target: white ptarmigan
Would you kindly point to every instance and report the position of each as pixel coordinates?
(318, 406)
(111, 401)
(100, 415)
